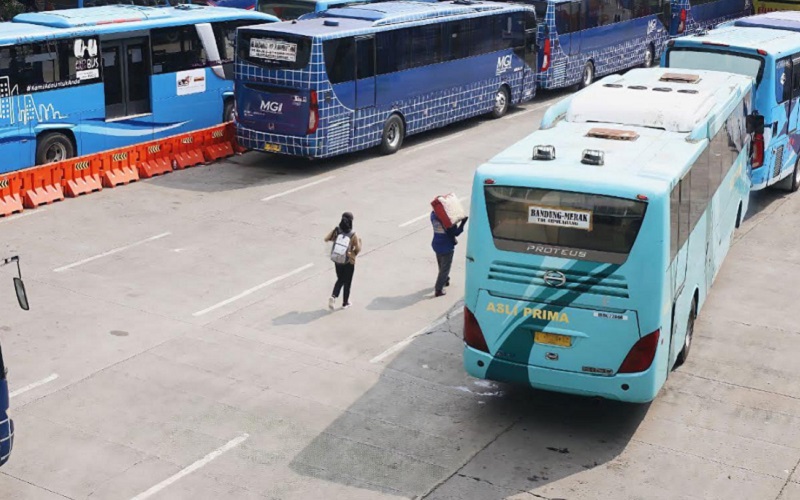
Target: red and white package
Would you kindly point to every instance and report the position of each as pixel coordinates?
(448, 209)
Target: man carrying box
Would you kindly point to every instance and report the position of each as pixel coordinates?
(448, 220)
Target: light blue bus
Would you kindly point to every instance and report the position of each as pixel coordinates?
(370, 75)
(766, 48)
(580, 40)
(74, 82)
(595, 240)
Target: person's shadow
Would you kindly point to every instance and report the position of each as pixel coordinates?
(300, 318)
(397, 302)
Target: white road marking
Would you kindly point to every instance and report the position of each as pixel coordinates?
(26, 213)
(298, 188)
(424, 216)
(433, 143)
(522, 113)
(388, 352)
(33, 385)
(195, 466)
(111, 252)
(252, 290)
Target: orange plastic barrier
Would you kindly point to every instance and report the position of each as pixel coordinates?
(218, 142)
(82, 175)
(10, 189)
(119, 166)
(42, 185)
(154, 158)
(187, 150)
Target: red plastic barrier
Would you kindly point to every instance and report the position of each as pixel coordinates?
(10, 189)
(119, 167)
(187, 150)
(82, 175)
(155, 158)
(42, 185)
(218, 142)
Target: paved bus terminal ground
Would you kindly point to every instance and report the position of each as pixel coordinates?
(179, 345)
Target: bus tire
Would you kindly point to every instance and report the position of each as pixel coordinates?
(227, 111)
(587, 77)
(52, 147)
(739, 216)
(394, 130)
(792, 183)
(502, 100)
(687, 341)
(649, 56)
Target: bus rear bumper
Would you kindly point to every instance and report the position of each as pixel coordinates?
(308, 147)
(641, 387)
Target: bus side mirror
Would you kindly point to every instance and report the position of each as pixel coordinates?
(755, 124)
(22, 298)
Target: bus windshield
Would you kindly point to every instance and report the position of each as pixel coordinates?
(604, 227)
(540, 6)
(716, 60)
(287, 9)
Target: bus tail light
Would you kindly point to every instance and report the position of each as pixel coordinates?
(641, 354)
(313, 113)
(682, 24)
(757, 155)
(546, 53)
(473, 335)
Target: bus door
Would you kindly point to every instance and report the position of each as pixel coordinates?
(126, 73)
(569, 23)
(365, 72)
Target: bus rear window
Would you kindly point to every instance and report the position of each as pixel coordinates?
(274, 51)
(540, 7)
(716, 60)
(562, 223)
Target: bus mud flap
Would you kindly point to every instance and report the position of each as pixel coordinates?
(10, 199)
(42, 185)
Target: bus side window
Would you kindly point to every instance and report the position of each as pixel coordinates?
(177, 49)
(783, 79)
(683, 230)
(564, 19)
(340, 59)
(593, 13)
(455, 40)
(482, 34)
(796, 76)
(674, 221)
(425, 45)
(699, 187)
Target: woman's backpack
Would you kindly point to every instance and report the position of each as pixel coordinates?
(341, 244)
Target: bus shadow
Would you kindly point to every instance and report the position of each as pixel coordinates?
(426, 429)
(760, 201)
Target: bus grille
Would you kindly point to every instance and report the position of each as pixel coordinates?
(778, 161)
(577, 281)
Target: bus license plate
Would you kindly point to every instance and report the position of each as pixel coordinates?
(552, 339)
(272, 148)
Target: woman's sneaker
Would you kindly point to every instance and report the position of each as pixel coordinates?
(331, 303)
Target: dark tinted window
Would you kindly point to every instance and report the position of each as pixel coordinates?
(521, 216)
(568, 17)
(50, 65)
(275, 51)
(340, 59)
(176, 49)
(683, 231)
(482, 35)
(540, 8)
(425, 45)
(365, 57)
(393, 50)
(287, 9)
(674, 221)
(455, 40)
(225, 33)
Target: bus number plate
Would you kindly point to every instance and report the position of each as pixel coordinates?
(272, 148)
(552, 339)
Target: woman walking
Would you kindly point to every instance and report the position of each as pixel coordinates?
(346, 246)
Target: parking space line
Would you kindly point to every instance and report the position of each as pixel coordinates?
(433, 143)
(424, 216)
(298, 188)
(536, 108)
(23, 214)
(111, 252)
(252, 290)
(233, 443)
(33, 385)
(393, 349)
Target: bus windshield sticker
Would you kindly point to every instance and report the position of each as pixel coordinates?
(608, 315)
(273, 50)
(560, 217)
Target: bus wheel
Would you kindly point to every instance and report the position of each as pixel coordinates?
(53, 147)
(501, 100)
(649, 56)
(588, 75)
(393, 132)
(687, 341)
(792, 183)
(227, 111)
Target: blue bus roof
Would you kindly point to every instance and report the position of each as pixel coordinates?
(775, 42)
(339, 21)
(115, 18)
(656, 159)
(783, 20)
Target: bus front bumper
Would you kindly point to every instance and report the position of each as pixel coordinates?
(256, 140)
(641, 387)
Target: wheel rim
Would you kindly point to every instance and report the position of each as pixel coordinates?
(55, 152)
(393, 134)
(587, 75)
(500, 102)
(648, 58)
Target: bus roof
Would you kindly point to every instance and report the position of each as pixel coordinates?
(339, 21)
(655, 160)
(115, 18)
(776, 42)
(783, 20)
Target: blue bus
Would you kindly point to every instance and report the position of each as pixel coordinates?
(286, 10)
(765, 48)
(6, 424)
(580, 40)
(357, 77)
(595, 240)
(74, 82)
